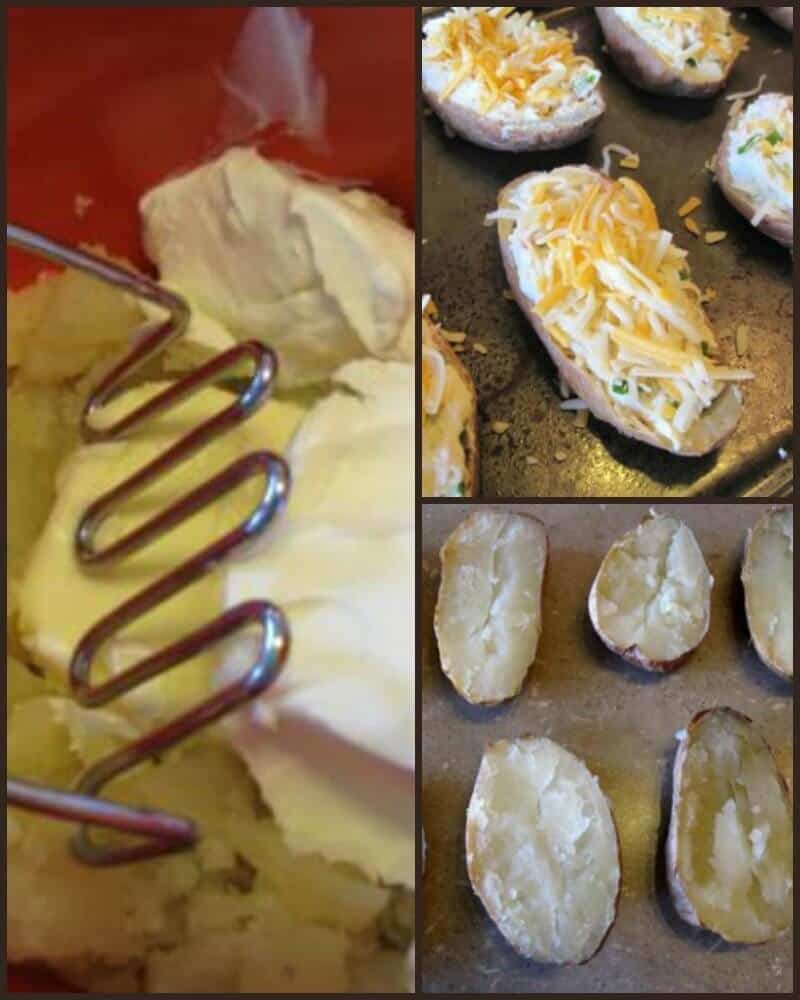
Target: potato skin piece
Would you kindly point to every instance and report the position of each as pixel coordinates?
(762, 652)
(778, 227)
(679, 895)
(645, 68)
(452, 361)
(444, 662)
(784, 16)
(633, 654)
(475, 872)
(703, 437)
(520, 137)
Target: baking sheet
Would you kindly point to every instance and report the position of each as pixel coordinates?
(622, 722)
(516, 381)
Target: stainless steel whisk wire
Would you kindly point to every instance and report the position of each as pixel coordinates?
(160, 832)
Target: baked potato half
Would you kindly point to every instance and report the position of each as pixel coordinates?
(754, 165)
(730, 839)
(488, 614)
(505, 81)
(674, 51)
(611, 298)
(449, 417)
(784, 16)
(651, 599)
(768, 580)
(542, 850)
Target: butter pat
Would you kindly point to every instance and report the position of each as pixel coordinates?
(50, 629)
(331, 744)
(323, 276)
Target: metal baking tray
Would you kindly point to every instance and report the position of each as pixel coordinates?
(517, 383)
(622, 722)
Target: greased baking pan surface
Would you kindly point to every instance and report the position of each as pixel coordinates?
(515, 380)
(622, 722)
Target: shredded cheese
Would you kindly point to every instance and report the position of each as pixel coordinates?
(509, 60)
(744, 94)
(615, 293)
(614, 147)
(692, 226)
(689, 206)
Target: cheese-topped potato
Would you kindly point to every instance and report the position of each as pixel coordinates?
(612, 299)
(729, 847)
(506, 81)
(768, 578)
(650, 601)
(542, 850)
(677, 51)
(449, 416)
(489, 610)
(754, 165)
(784, 16)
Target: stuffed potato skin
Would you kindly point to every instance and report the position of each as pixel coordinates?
(551, 98)
(783, 16)
(646, 68)
(433, 336)
(777, 225)
(707, 434)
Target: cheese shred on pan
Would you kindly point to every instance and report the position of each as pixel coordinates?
(511, 57)
(615, 293)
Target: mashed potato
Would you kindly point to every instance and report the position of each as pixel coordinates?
(240, 913)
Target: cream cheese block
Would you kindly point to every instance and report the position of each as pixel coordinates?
(322, 275)
(331, 744)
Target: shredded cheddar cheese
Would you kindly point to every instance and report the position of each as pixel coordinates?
(508, 59)
(616, 294)
(689, 206)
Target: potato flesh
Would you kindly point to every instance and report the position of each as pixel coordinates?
(769, 590)
(489, 609)
(734, 832)
(71, 308)
(164, 916)
(653, 591)
(542, 850)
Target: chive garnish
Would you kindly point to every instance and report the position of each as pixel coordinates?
(750, 143)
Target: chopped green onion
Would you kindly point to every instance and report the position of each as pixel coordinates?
(683, 275)
(774, 138)
(620, 386)
(705, 349)
(691, 62)
(582, 84)
(674, 404)
(750, 143)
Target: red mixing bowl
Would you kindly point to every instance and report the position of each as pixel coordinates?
(107, 101)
